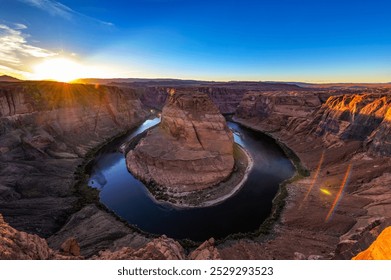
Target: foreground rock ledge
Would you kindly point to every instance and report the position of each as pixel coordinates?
(191, 149)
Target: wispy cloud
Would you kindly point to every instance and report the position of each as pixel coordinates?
(14, 47)
(55, 8)
(20, 26)
(4, 70)
(15, 51)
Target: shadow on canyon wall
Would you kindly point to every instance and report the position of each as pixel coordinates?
(48, 129)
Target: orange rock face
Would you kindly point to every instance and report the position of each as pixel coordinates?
(190, 150)
(19, 245)
(380, 249)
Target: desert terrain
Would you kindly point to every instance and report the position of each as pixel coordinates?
(337, 136)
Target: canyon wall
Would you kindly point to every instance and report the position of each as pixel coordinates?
(19, 245)
(363, 117)
(344, 141)
(380, 248)
(46, 129)
(227, 100)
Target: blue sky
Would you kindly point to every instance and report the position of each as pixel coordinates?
(285, 40)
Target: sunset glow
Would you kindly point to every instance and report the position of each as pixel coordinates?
(242, 41)
(58, 69)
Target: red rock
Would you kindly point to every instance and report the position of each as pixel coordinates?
(192, 148)
(380, 248)
(206, 251)
(71, 246)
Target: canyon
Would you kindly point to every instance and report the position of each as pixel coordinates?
(339, 140)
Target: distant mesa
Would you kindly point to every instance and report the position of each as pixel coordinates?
(191, 149)
(5, 78)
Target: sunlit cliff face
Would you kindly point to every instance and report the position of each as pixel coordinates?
(380, 249)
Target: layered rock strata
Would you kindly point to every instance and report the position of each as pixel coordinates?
(46, 130)
(380, 249)
(362, 117)
(191, 149)
(19, 245)
(336, 139)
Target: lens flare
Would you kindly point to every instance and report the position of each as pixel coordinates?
(313, 180)
(340, 193)
(325, 191)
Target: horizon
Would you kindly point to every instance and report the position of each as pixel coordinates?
(76, 81)
(255, 41)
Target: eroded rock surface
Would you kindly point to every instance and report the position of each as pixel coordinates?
(19, 245)
(46, 129)
(161, 248)
(191, 149)
(43, 137)
(380, 248)
(328, 135)
(97, 230)
(206, 251)
(362, 117)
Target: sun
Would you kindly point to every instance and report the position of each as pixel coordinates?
(58, 69)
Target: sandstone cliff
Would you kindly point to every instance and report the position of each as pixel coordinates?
(380, 248)
(278, 110)
(191, 149)
(226, 96)
(46, 129)
(363, 117)
(226, 99)
(344, 141)
(19, 245)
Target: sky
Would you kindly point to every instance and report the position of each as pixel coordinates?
(318, 41)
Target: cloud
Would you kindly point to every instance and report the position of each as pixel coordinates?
(20, 74)
(15, 51)
(52, 7)
(55, 8)
(20, 26)
(14, 46)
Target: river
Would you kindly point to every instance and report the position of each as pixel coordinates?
(243, 212)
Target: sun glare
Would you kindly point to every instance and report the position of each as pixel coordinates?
(58, 69)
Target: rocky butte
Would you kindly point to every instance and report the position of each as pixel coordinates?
(190, 150)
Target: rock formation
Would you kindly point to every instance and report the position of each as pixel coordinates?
(277, 110)
(380, 248)
(330, 133)
(161, 248)
(71, 247)
(46, 130)
(18, 245)
(363, 117)
(96, 230)
(191, 149)
(226, 96)
(226, 99)
(206, 251)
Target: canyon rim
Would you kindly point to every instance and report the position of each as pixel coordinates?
(337, 138)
